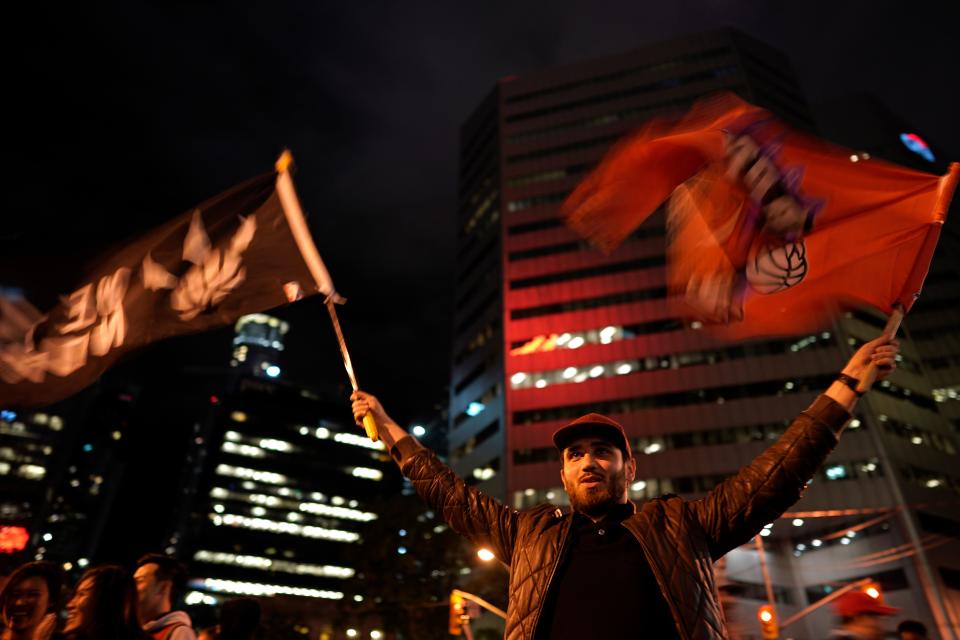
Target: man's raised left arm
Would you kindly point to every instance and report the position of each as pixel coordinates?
(739, 507)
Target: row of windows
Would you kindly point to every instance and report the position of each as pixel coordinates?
(753, 591)
(606, 335)
(657, 67)
(583, 304)
(479, 339)
(476, 372)
(589, 272)
(917, 435)
(481, 256)
(475, 163)
(930, 479)
(659, 85)
(581, 373)
(646, 231)
(484, 215)
(482, 307)
(621, 115)
(475, 441)
(855, 532)
(549, 175)
(536, 201)
(536, 225)
(567, 147)
(892, 580)
(650, 488)
(657, 443)
(715, 395)
(547, 250)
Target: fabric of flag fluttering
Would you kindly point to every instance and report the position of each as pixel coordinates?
(232, 255)
(769, 231)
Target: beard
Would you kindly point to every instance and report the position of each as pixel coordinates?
(595, 500)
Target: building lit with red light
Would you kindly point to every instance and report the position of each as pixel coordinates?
(547, 329)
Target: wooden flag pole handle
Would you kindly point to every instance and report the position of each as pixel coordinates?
(893, 325)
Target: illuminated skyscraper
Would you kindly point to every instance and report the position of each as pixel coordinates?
(547, 329)
(279, 489)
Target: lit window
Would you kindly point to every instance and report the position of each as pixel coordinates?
(307, 531)
(276, 445)
(367, 473)
(836, 472)
(475, 408)
(257, 589)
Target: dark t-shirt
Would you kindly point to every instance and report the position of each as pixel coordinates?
(604, 587)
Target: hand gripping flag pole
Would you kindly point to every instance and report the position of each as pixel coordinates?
(298, 226)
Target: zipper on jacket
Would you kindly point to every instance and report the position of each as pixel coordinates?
(660, 582)
(565, 537)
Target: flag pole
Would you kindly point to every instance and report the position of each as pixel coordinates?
(308, 250)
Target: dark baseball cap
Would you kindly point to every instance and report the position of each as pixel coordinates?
(596, 425)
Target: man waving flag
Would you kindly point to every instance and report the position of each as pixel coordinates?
(245, 250)
(769, 231)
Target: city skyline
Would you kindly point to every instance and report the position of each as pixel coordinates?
(374, 137)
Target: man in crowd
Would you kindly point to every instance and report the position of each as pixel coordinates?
(912, 630)
(160, 582)
(608, 569)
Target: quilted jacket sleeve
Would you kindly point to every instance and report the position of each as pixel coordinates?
(471, 513)
(739, 507)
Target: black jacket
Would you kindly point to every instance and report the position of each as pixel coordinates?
(680, 538)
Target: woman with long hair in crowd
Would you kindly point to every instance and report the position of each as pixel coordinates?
(103, 606)
(28, 602)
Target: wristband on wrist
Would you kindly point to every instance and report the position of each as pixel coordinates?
(850, 382)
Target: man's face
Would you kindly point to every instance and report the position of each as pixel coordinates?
(26, 604)
(78, 609)
(150, 591)
(595, 475)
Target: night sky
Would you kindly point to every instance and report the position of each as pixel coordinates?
(117, 119)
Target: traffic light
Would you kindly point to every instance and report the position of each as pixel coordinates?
(873, 590)
(457, 612)
(768, 622)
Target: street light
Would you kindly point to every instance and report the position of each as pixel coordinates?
(485, 554)
(419, 431)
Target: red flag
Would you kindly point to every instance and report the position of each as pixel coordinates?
(769, 230)
(243, 251)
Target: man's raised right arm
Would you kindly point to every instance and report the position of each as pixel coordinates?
(471, 513)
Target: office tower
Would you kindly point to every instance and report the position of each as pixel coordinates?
(258, 344)
(28, 440)
(278, 493)
(547, 329)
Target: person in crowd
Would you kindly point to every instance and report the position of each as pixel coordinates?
(610, 569)
(28, 602)
(861, 617)
(103, 606)
(912, 630)
(239, 619)
(160, 582)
